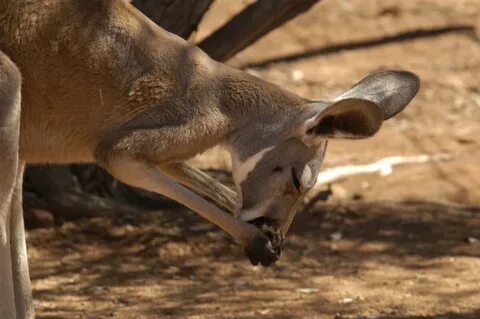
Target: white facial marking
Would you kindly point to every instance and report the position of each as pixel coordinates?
(240, 170)
(253, 213)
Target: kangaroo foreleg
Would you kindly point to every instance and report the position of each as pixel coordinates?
(135, 158)
(147, 176)
(202, 183)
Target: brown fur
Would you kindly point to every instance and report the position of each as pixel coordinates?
(100, 81)
(89, 60)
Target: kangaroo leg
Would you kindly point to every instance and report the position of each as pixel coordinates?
(145, 175)
(202, 183)
(123, 158)
(10, 82)
(7, 298)
(18, 249)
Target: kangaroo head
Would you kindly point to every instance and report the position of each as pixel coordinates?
(276, 164)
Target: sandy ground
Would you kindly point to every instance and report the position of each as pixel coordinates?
(398, 246)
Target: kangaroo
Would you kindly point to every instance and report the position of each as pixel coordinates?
(96, 81)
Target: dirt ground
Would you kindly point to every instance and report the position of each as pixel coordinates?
(406, 245)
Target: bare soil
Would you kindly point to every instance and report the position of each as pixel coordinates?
(406, 245)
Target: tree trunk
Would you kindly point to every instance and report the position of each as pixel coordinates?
(251, 24)
(177, 16)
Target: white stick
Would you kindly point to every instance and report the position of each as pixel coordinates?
(383, 166)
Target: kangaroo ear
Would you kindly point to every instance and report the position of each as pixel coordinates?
(390, 90)
(347, 118)
(359, 112)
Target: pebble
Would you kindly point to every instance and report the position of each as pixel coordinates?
(307, 290)
(335, 236)
(471, 240)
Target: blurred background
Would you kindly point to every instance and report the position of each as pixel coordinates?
(399, 245)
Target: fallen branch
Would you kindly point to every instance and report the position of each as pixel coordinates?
(76, 205)
(383, 166)
(251, 24)
(179, 17)
(467, 30)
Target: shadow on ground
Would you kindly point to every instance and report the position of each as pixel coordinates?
(173, 264)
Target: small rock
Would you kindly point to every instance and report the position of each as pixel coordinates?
(471, 240)
(346, 300)
(335, 236)
(201, 227)
(264, 311)
(307, 290)
(38, 218)
(122, 301)
(97, 288)
(216, 235)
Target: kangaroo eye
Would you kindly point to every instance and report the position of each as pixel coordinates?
(295, 180)
(278, 169)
